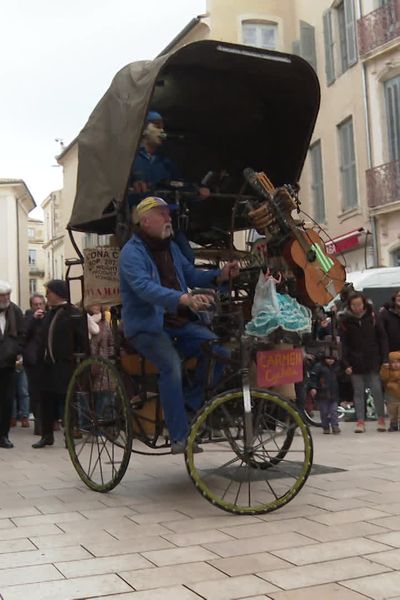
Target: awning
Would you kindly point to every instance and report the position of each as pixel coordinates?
(343, 243)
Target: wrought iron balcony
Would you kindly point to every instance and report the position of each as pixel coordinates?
(383, 184)
(379, 27)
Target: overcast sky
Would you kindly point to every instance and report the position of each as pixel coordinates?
(57, 58)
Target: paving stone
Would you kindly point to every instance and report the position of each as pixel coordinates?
(327, 572)
(349, 516)
(170, 593)
(28, 574)
(391, 558)
(251, 563)
(16, 546)
(330, 551)
(177, 556)
(45, 519)
(379, 587)
(29, 531)
(332, 591)
(100, 566)
(196, 537)
(72, 589)
(115, 547)
(259, 544)
(232, 588)
(41, 557)
(168, 576)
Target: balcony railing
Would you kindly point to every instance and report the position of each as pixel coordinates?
(379, 27)
(383, 184)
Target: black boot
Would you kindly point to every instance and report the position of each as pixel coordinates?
(5, 442)
(47, 440)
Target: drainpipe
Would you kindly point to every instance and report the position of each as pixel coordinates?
(373, 220)
(18, 252)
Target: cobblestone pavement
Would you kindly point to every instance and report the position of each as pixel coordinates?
(155, 537)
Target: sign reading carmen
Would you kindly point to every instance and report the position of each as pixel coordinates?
(277, 367)
(100, 272)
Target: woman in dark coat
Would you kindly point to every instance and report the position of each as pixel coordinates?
(364, 350)
(390, 319)
(62, 334)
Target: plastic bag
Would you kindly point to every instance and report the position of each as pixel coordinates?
(265, 296)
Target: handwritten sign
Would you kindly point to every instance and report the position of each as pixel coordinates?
(100, 273)
(277, 367)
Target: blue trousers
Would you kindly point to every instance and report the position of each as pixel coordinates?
(21, 398)
(328, 412)
(166, 350)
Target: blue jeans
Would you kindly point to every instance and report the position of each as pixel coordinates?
(166, 350)
(328, 412)
(21, 398)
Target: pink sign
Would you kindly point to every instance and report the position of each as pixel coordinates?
(276, 367)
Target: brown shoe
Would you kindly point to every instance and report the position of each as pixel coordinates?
(381, 424)
(336, 430)
(360, 427)
(25, 422)
(13, 422)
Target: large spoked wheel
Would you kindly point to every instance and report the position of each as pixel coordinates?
(98, 428)
(253, 478)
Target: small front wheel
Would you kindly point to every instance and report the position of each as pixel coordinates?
(256, 478)
(98, 428)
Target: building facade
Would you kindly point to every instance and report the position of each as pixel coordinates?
(36, 256)
(16, 202)
(350, 183)
(379, 50)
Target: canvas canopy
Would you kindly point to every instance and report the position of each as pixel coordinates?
(233, 107)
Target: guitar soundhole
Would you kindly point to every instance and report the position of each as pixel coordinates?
(311, 255)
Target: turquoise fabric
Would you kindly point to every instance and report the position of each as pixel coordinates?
(277, 310)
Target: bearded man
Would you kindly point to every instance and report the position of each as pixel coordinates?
(11, 342)
(159, 315)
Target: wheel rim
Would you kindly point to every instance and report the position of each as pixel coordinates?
(263, 477)
(97, 424)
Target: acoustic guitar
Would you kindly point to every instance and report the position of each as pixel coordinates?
(319, 277)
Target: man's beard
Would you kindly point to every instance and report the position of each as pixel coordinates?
(153, 134)
(167, 231)
(4, 305)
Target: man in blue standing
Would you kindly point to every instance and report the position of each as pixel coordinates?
(159, 315)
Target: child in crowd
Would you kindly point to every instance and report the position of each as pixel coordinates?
(324, 386)
(390, 375)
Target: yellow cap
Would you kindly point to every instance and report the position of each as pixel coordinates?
(149, 203)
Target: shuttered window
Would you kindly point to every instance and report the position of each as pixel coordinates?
(392, 102)
(261, 35)
(347, 34)
(307, 43)
(317, 185)
(329, 48)
(348, 168)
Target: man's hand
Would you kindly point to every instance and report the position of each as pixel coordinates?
(140, 187)
(349, 371)
(204, 192)
(313, 392)
(230, 270)
(38, 314)
(197, 301)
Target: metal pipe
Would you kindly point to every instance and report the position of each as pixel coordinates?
(364, 79)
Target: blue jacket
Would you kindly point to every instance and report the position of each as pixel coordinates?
(144, 299)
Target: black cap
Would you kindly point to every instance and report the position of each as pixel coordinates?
(58, 287)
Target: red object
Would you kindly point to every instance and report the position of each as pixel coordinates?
(276, 367)
(345, 242)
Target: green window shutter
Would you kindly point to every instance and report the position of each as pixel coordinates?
(307, 43)
(328, 40)
(317, 185)
(351, 39)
